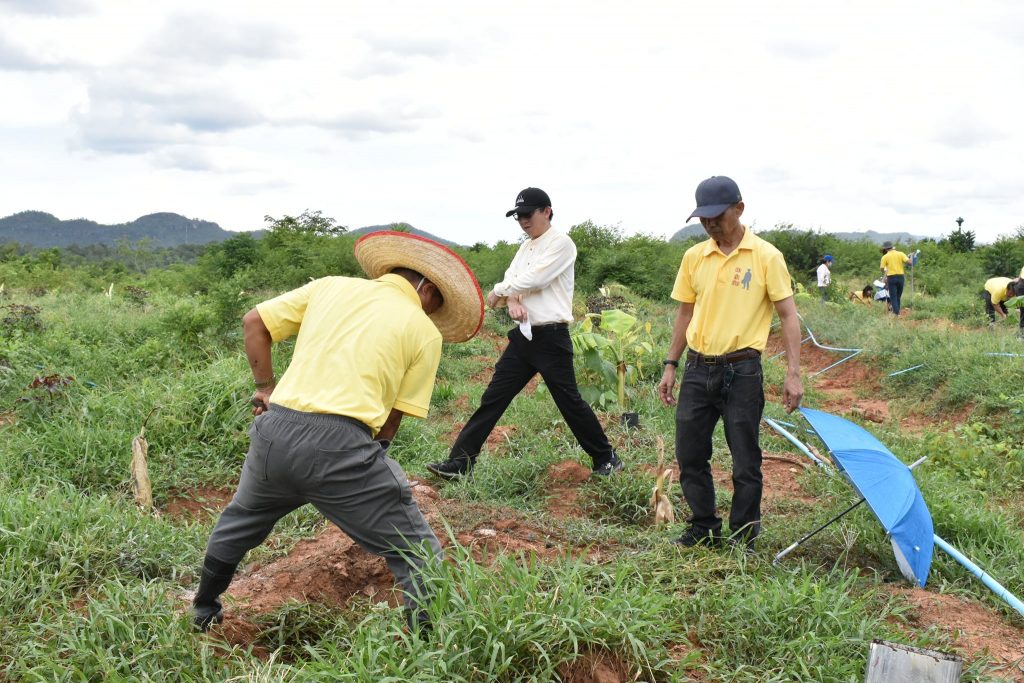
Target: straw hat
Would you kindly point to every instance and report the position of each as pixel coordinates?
(462, 313)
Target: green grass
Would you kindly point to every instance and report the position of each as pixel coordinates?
(91, 588)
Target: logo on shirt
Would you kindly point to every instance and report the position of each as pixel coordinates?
(743, 281)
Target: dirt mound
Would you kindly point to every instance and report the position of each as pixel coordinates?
(508, 537)
(563, 488)
(329, 569)
(197, 504)
(595, 667)
(975, 629)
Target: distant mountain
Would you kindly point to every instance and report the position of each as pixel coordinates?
(878, 237)
(691, 230)
(405, 227)
(39, 229)
(696, 230)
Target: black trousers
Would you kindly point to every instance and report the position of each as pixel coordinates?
(550, 354)
(735, 393)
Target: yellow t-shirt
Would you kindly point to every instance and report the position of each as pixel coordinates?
(996, 287)
(859, 296)
(732, 295)
(893, 261)
(363, 348)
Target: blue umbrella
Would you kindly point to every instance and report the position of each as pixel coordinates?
(888, 487)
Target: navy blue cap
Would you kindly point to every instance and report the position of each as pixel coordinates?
(529, 199)
(826, 257)
(715, 195)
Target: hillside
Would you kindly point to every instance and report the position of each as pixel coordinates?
(40, 229)
(695, 230)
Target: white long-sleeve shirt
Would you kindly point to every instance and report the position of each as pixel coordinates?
(824, 276)
(542, 273)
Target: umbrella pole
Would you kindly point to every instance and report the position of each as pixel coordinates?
(795, 441)
(814, 533)
(994, 585)
(835, 519)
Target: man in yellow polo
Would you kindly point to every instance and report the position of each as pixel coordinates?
(892, 264)
(728, 287)
(366, 353)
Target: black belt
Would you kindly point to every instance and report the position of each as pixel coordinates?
(742, 354)
(546, 325)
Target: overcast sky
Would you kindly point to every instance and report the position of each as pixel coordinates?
(884, 115)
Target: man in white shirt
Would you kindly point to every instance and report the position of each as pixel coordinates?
(537, 289)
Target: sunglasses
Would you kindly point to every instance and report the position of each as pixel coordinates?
(525, 214)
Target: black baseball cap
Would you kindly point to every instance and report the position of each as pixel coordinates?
(529, 199)
(715, 195)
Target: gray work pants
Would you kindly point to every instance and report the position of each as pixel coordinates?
(331, 462)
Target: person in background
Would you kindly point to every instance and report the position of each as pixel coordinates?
(892, 264)
(864, 296)
(997, 291)
(824, 276)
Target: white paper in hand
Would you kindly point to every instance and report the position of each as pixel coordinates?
(526, 329)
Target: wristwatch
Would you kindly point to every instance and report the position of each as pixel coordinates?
(673, 363)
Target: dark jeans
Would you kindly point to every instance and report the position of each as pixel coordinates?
(550, 354)
(734, 392)
(894, 283)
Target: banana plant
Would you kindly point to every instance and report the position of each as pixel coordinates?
(614, 353)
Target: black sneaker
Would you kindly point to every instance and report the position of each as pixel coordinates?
(695, 536)
(453, 468)
(609, 468)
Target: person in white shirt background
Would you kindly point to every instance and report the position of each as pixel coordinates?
(824, 276)
(537, 288)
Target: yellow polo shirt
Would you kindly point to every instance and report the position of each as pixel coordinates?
(996, 287)
(893, 261)
(363, 348)
(732, 295)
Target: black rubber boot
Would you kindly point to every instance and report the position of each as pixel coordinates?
(214, 580)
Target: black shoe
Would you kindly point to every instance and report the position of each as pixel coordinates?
(695, 536)
(452, 468)
(609, 468)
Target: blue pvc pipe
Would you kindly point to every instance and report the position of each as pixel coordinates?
(994, 585)
(900, 372)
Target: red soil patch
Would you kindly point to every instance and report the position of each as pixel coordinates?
(329, 569)
(563, 489)
(198, 504)
(236, 630)
(916, 422)
(508, 537)
(595, 667)
(975, 629)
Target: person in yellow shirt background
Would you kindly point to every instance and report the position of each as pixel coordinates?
(864, 296)
(997, 291)
(728, 287)
(892, 264)
(366, 353)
